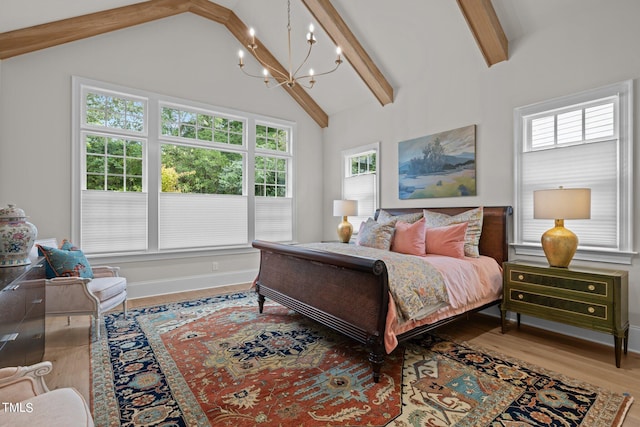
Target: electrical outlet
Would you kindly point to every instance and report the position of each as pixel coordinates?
(214, 266)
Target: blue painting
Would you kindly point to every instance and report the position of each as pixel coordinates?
(438, 165)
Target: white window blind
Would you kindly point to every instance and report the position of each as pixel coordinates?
(274, 216)
(362, 188)
(579, 166)
(202, 220)
(113, 221)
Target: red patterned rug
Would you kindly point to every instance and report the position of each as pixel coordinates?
(219, 362)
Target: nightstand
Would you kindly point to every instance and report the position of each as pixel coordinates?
(595, 299)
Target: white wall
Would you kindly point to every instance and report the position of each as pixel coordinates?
(184, 56)
(596, 48)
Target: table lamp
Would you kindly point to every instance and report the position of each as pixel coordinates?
(560, 244)
(345, 208)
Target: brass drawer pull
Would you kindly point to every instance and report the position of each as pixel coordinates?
(591, 310)
(592, 287)
(520, 296)
(520, 276)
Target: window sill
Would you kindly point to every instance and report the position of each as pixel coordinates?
(132, 257)
(596, 255)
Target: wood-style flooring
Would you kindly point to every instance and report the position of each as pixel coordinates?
(67, 347)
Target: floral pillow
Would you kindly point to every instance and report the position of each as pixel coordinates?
(376, 235)
(384, 216)
(472, 217)
(66, 263)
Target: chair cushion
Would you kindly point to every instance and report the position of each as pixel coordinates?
(61, 407)
(105, 288)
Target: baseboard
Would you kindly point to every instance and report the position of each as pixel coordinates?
(188, 283)
(585, 334)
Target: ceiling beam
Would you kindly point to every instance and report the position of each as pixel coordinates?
(18, 42)
(333, 24)
(485, 26)
(31, 39)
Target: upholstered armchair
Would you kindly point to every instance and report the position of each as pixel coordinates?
(27, 401)
(73, 296)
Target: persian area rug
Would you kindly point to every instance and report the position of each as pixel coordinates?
(218, 362)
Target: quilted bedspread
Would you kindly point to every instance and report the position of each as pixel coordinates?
(414, 284)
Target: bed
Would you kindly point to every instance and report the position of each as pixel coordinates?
(351, 294)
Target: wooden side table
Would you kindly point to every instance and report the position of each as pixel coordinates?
(595, 299)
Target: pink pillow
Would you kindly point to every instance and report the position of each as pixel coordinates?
(447, 240)
(409, 238)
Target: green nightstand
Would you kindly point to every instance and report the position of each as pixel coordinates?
(595, 299)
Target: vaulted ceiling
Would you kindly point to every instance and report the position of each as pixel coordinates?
(386, 44)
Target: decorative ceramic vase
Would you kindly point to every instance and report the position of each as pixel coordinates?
(16, 237)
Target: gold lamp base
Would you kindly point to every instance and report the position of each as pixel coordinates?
(559, 245)
(345, 230)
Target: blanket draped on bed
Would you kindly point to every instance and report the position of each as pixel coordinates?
(415, 285)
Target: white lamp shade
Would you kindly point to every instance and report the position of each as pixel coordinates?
(562, 203)
(345, 207)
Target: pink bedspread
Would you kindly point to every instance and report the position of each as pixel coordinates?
(470, 283)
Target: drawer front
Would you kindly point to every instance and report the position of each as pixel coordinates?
(561, 306)
(587, 286)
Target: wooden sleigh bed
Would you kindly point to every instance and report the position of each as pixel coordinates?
(350, 294)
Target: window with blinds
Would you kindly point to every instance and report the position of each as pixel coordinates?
(159, 174)
(360, 181)
(581, 141)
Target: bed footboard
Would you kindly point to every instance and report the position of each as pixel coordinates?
(348, 294)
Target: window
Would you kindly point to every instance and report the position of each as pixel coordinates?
(584, 140)
(159, 174)
(360, 180)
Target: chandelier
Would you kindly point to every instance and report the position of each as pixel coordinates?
(291, 77)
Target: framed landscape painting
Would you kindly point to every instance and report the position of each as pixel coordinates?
(438, 165)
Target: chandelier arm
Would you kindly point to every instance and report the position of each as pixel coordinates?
(304, 61)
(269, 67)
(321, 74)
(251, 75)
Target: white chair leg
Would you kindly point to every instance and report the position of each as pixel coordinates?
(97, 325)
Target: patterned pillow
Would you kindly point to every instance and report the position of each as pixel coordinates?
(66, 263)
(473, 217)
(384, 216)
(376, 235)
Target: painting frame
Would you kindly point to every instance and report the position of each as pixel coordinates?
(438, 165)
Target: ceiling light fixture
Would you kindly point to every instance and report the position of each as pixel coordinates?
(290, 78)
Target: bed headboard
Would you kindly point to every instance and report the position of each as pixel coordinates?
(496, 223)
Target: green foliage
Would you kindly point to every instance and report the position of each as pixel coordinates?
(432, 160)
(200, 170)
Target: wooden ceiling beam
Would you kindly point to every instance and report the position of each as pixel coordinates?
(485, 26)
(333, 24)
(18, 42)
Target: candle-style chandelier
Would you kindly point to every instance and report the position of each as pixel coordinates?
(291, 77)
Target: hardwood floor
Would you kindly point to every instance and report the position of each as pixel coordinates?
(67, 347)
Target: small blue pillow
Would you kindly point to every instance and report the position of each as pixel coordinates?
(66, 263)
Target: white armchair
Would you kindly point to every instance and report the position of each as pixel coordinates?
(26, 400)
(72, 296)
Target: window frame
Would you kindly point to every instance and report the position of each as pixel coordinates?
(623, 91)
(152, 182)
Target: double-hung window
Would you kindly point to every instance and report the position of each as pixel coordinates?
(360, 180)
(579, 141)
(157, 174)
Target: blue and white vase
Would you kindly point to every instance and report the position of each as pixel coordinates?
(16, 237)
